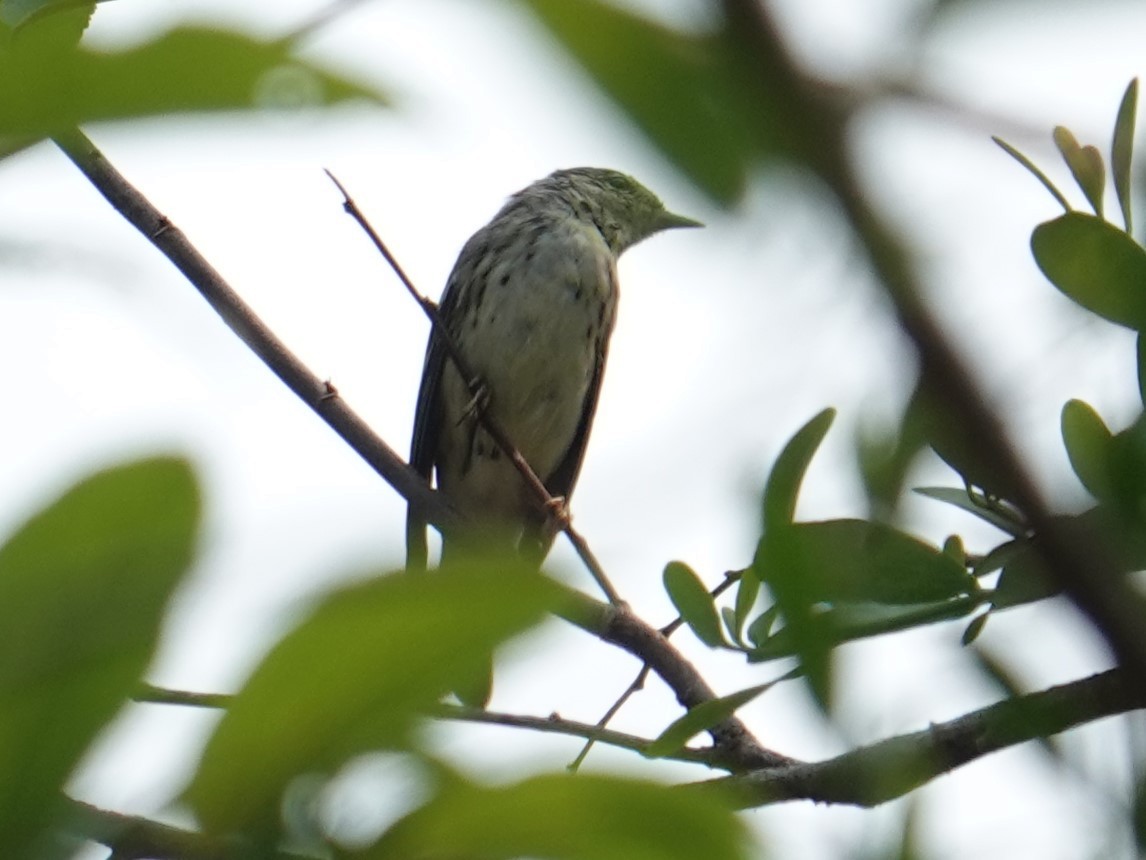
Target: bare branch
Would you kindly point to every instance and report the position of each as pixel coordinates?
(316, 393)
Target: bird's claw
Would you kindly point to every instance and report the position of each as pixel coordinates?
(478, 402)
(557, 512)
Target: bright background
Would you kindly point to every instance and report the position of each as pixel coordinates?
(728, 340)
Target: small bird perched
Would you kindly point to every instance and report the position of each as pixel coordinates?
(530, 304)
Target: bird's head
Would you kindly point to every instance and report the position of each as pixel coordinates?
(623, 210)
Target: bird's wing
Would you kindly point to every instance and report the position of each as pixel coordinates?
(427, 428)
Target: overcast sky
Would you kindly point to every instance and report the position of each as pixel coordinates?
(729, 339)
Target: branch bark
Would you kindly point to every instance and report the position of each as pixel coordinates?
(875, 774)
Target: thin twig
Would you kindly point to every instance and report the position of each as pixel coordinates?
(473, 382)
(152, 695)
(709, 756)
(317, 393)
(638, 683)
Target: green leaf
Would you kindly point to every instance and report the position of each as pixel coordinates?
(694, 602)
(1141, 349)
(1086, 165)
(782, 564)
(566, 817)
(847, 622)
(996, 512)
(699, 719)
(1023, 580)
(15, 14)
(761, 627)
(1122, 151)
(747, 591)
(859, 561)
(1096, 265)
(783, 486)
(83, 587)
(998, 557)
(1088, 445)
(187, 70)
(675, 86)
(1038, 174)
(354, 676)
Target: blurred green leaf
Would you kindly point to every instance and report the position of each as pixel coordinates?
(675, 86)
(566, 817)
(783, 565)
(354, 676)
(1141, 350)
(783, 486)
(699, 719)
(747, 592)
(18, 13)
(930, 415)
(694, 602)
(1034, 171)
(997, 514)
(859, 561)
(1096, 265)
(83, 586)
(975, 628)
(847, 622)
(1088, 445)
(187, 70)
(1023, 580)
(1122, 151)
(1086, 165)
(43, 24)
(761, 627)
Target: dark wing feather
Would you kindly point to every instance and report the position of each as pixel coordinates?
(427, 429)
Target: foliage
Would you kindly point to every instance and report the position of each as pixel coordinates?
(85, 583)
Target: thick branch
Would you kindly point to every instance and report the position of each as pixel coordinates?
(1076, 561)
(318, 395)
(875, 774)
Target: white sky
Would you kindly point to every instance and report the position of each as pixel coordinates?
(728, 340)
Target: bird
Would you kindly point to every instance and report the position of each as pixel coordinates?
(530, 304)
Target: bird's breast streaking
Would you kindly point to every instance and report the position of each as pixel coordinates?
(531, 304)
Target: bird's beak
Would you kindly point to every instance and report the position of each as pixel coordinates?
(670, 220)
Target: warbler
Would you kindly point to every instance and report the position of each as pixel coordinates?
(530, 304)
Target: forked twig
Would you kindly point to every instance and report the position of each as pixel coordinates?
(473, 383)
(638, 683)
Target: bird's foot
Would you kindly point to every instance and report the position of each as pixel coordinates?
(557, 514)
(478, 402)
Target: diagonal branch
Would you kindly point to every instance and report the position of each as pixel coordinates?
(319, 395)
(891, 768)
